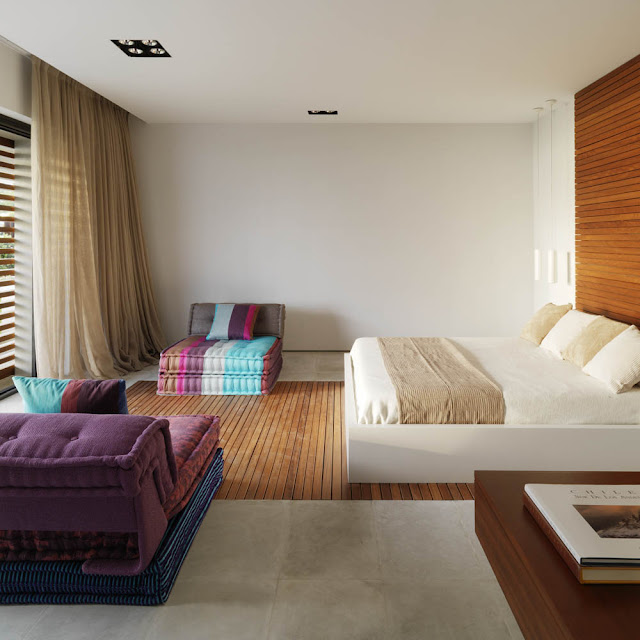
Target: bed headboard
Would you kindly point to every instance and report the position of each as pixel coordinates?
(607, 120)
(270, 320)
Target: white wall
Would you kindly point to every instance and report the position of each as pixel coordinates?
(359, 229)
(15, 82)
(554, 203)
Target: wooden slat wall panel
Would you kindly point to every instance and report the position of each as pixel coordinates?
(607, 135)
(289, 445)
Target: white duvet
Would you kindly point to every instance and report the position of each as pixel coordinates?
(538, 387)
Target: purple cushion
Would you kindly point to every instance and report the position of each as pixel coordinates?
(82, 472)
(79, 450)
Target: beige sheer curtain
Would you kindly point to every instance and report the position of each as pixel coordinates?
(95, 313)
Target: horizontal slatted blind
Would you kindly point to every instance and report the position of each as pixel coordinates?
(7, 257)
(607, 135)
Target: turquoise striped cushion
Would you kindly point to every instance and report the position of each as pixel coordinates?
(233, 322)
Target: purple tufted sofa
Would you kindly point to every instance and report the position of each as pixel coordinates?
(80, 472)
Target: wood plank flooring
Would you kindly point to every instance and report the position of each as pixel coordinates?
(289, 445)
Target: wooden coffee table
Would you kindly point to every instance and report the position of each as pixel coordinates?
(545, 597)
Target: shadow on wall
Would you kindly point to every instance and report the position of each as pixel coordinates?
(314, 330)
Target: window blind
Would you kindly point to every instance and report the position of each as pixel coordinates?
(7, 257)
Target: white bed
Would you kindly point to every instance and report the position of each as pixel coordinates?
(556, 418)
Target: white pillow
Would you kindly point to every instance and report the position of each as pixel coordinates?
(617, 364)
(567, 329)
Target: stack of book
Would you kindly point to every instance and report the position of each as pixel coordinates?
(595, 528)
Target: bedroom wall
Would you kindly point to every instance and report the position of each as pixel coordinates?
(554, 203)
(15, 81)
(360, 229)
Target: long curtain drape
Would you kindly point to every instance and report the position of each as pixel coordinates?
(94, 309)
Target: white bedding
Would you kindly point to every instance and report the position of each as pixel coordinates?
(538, 387)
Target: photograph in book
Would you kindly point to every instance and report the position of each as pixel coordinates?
(612, 521)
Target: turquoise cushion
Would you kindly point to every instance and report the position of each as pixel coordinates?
(48, 395)
(41, 395)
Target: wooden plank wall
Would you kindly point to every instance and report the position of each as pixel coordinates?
(607, 130)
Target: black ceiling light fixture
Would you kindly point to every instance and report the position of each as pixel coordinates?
(142, 48)
(322, 112)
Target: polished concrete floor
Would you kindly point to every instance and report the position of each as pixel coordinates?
(309, 570)
(272, 570)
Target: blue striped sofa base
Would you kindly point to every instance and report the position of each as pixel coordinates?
(64, 582)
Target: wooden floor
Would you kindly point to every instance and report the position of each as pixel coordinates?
(289, 445)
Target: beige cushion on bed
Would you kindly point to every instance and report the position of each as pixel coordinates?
(566, 330)
(543, 321)
(617, 364)
(591, 339)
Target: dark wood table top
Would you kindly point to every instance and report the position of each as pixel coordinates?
(583, 611)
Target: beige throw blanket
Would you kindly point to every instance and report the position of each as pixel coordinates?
(436, 384)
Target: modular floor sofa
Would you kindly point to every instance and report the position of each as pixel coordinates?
(198, 366)
(101, 508)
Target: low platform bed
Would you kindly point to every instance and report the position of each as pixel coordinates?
(556, 417)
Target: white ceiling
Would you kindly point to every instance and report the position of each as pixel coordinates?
(374, 60)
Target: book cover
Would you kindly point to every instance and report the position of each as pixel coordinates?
(598, 524)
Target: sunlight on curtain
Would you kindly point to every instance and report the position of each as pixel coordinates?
(94, 309)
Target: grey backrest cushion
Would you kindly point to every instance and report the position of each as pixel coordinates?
(270, 320)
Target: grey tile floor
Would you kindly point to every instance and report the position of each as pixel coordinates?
(306, 570)
(309, 570)
(313, 365)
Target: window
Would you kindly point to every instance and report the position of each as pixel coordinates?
(7, 257)
(16, 323)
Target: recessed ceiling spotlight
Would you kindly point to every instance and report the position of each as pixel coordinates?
(322, 112)
(141, 48)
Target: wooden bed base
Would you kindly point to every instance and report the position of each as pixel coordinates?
(451, 453)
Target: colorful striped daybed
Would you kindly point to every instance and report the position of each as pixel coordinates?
(101, 508)
(65, 582)
(198, 366)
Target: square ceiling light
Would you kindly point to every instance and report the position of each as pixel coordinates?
(142, 48)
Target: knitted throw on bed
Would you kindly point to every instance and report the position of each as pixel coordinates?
(436, 384)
